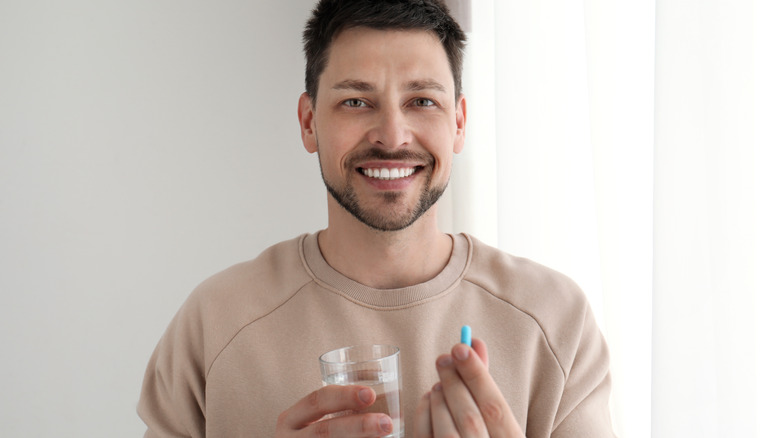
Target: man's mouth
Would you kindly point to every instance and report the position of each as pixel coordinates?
(388, 174)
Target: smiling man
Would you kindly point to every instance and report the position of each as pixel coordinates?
(385, 123)
(384, 112)
(387, 107)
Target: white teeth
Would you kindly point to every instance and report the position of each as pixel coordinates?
(389, 174)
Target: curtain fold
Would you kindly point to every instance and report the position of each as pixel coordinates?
(766, 150)
(704, 290)
(632, 145)
(560, 98)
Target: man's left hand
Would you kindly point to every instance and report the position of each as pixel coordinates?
(466, 402)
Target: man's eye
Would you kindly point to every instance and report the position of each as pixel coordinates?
(354, 103)
(421, 101)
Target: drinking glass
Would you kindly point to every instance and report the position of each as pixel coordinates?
(375, 366)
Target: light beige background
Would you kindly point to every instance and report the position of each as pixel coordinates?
(144, 145)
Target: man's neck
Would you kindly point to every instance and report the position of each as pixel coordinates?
(385, 260)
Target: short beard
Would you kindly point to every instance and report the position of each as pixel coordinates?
(347, 199)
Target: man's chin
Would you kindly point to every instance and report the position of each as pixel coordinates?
(393, 216)
(389, 215)
(387, 225)
(387, 212)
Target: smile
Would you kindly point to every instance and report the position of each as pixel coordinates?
(389, 174)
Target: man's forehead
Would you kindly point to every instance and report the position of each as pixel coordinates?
(356, 35)
(362, 49)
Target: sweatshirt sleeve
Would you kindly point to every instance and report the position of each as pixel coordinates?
(172, 401)
(584, 408)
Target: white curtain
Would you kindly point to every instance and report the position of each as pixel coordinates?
(632, 145)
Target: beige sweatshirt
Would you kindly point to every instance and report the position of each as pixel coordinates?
(245, 345)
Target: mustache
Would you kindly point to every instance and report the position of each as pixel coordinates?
(384, 155)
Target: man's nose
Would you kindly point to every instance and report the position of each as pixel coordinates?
(391, 129)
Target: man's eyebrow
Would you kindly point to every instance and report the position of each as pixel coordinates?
(354, 84)
(425, 84)
(415, 85)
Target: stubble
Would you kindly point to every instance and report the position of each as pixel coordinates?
(391, 215)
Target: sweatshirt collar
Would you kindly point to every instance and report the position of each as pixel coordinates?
(334, 281)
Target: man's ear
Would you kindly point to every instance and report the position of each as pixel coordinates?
(460, 123)
(306, 120)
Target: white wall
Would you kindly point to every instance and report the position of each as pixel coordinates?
(144, 145)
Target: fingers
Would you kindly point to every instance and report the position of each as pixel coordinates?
(350, 426)
(442, 422)
(465, 372)
(433, 417)
(462, 405)
(423, 428)
(302, 417)
(327, 400)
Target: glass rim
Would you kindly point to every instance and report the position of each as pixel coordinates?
(394, 351)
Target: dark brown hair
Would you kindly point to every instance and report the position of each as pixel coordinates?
(330, 17)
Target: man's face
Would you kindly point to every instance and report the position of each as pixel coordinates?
(386, 124)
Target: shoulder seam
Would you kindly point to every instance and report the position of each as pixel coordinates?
(230, 341)
(546, 339)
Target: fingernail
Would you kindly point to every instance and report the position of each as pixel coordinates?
(437, 387)
(365, 395)
(445, 361)
(461, 352)
(386, 424)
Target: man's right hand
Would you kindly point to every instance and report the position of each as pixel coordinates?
(303, 419)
